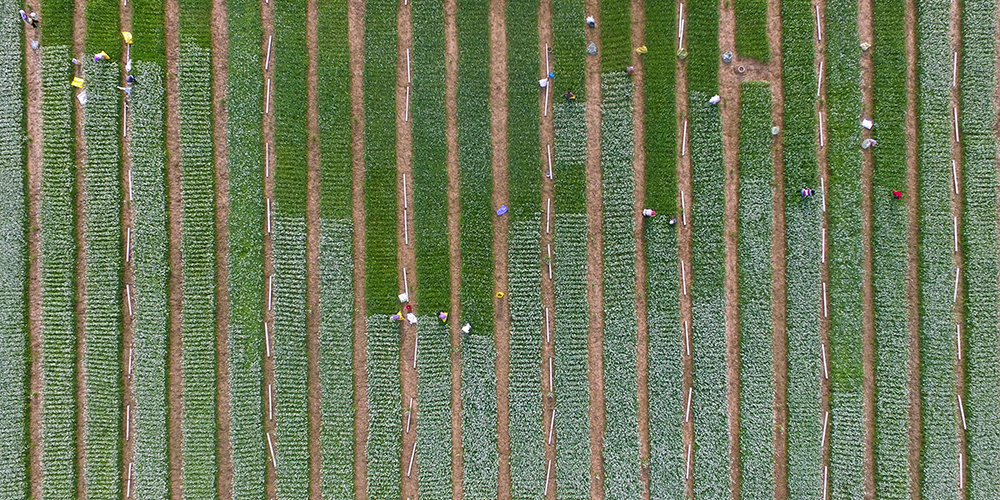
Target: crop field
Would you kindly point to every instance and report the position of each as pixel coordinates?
(480, 249)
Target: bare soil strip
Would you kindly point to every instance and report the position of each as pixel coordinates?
(312, 250)
(356, 43)
(595, 258)
(641, 295)
(267, 129)
(957, 206)
(406, 254)
(867, 290)
(684, 244)
(546, 136)
(80, 211)
(454, 246)
(913, 245)
(501, 322)
(33, 85)
(128, 277)
(729, 90)
(175, 390)
(778, 290)
(220, 75)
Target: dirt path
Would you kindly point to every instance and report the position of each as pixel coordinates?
(595, 258)
(729, 90)
(639, 168)
(312, 250)
(356, 44)
(220, 75)
(867, 289)
(33, 110)
(406, 255)
(175, 390)
(546, 134)
(267, 129)
(913, 245)
(778, 290)
(501, 321)
(684, 249)
(128, 280)
(454, 243)
(80, 222)
(957, 206)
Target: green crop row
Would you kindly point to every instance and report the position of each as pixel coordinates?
(58, 263)
(522, 114)
(244, 137)
(751, 29)
(56, 20)
(666, 446)
(939, 447)
(148, 40)
(569, 49)
(147, 144)
(336, 248)
(616, 35)
(198, 251)
(434, 413)
(383, 444)
(890, 224)
(195, 20)
(479, 400)
(621, 428)
(802, 252)
(102, 27)
(13, 263)
(701, 34)
(570, 335)
(980, 247)
(430, 172)
(845, 247)
(527, 453)
(756, 196)
(290, 108)
(708, 324)
(103, 243)
(381, 276)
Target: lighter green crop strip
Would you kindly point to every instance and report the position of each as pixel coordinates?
(245, 91)
(845, 252)
(480, 454)
(616, 35)
(13, 261)
(102, 237)
(889, 264)
(751, 29)
(803, 237)
(58, 455)
(939, 450)
(149, 247)
(756, 196)
(434, 402)
(621, 437)
(980, 248)
(198, 251)
(383, 445)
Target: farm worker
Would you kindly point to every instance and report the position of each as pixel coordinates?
(130, 79)
(648, 212)
(466, 328)
(806, 192)
(672, 221)
(411, 318)
(591, 22)
(715, 99)
(102, 56)
(630, 70)
(569, 96)
(897, 194)
(34, 19)
(396, 317)
(443, 316)
(641, 50)
(24, 17)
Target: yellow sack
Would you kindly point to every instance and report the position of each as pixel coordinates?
(77, 82)
(641, 50)
(127, 35)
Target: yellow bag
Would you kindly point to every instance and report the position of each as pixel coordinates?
(127, 35)
(77, 82)
(641, 50)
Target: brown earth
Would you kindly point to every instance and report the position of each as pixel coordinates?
(175, 392)
(957, 206)
(355, 40)
(778, 292)
(33, 110)
(128, 273)
(501, 321)
(267, 130)
(639, 168)
(407, 258)
(547, 241)
(80, 221)
(220, 74)
(454, 247)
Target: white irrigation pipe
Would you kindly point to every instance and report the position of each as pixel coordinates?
(684, 279)
(821, 143)
(270, 445)
(826, 480)
(407, 103)
(128, 418)
(267, 159)
(822, 184)
(548, 216)
(552, 425)
(548, 477)
(954, 297)
(131, 351)
(954, 223)
(961, 471)
(550, 261)
(130, 184)
(270, 401)
(825, 312)
(684, 140)
(826, 371)
(406, 204)
(547, 71)
(687, 336)
(684, 218)
(689, 462)
(269, 216)
(819, 27)
(412, 453)
(955, 113)
(954, 68)
(406, 229)
(409, 416)
(961, 408)
(406, 283)
(416, 340)
(128, 490)
(823, 247)
(548, 147)
(270, 292)
(552, 386)
(267, 62)
(408, 66)
(545, 110)
(819, 79)
(267, 105)
(128, 293)
(958, 340)
(687, 415)
(267, 340)
(680, 26)
(548, 333)
(822, 437)
(128, 244)
(125, 120)
(954, 176)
